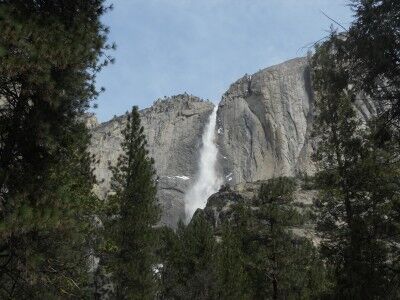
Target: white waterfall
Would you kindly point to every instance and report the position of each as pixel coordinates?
(208, 181)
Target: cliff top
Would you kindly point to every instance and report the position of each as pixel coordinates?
(176, 102)
(242, 86)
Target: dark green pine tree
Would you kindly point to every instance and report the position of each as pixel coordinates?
(285, 266)
(189, 264)
(232, 281)
(169, 255)
(199, 245)
(374, 63)
(49, 54)
(132, 212)
(359, 182)
(374, 55)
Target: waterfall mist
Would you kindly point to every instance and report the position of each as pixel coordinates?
(208, 181)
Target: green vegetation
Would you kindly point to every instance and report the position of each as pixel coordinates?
(131, 213)
(188, 261)
(51, 224)
(49, 54)
(256, 257)
(358, 160)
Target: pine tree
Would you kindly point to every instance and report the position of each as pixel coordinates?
(359, 182)
(49, 54)
(373, 54)
(374, 63)
(189, 265)
(232, 281)
(132, 213)
(260, 257)
(168, 253)
(200, 244)
(286, 266)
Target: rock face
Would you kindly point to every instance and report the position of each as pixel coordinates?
(173, 127)
(264, 124)
(220, 206)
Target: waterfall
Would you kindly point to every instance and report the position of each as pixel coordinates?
(208, 181)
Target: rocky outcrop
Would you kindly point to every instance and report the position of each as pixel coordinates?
(91, 121)
(173, 127)
(220, 206)
(264, 124)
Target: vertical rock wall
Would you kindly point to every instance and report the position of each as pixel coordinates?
(264, 124)
(173, 127)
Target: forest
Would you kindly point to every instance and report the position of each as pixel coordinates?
(58, 240)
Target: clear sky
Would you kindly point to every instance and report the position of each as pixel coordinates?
(167, 47)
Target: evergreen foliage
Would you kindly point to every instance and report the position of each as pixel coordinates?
(232, 278)
(50, 52)
(283, 265)
(188, 264)
(359, 182)
(374, 56)
(256, 255)
(131, 215)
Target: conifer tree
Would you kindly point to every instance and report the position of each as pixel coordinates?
(168, 253)
(50, 52)
(359, 182)
(189, 265)
(285, 266)
(373, 55)
(232, 281)
(200, 248)
(261, 258)
(132, 213)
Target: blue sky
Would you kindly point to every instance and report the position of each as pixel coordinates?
(167, 47)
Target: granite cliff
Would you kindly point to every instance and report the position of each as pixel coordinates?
(173, 127)
(221, 206)
(264, 124)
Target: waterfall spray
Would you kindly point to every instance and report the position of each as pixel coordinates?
(208, 181)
